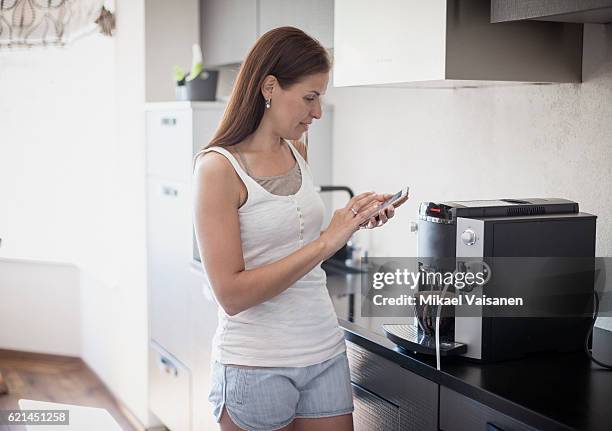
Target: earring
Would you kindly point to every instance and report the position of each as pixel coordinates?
(268, 103)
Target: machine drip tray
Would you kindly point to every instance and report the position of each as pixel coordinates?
(408, 338)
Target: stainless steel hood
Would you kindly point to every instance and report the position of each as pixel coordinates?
(448, 44)
(578, 11)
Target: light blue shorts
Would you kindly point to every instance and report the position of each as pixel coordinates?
(269, 398)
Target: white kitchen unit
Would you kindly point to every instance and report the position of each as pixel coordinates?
(182, 320)
(169, 389)
(229, 28)
(447, 44)
(315, 17)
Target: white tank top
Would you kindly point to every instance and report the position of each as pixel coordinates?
(298, 327)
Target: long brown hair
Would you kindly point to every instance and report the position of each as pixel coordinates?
(287, 53)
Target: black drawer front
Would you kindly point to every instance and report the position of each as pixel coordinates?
(372, 413)
(415, 396)
(460, 413)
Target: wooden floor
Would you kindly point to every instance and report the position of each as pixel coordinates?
(59, 379)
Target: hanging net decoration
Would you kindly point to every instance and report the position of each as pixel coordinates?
(25, 23)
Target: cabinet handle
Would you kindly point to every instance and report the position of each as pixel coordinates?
(167, 366)
(168, 121)
(169, 191)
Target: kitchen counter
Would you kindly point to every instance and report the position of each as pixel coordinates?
(548, 391)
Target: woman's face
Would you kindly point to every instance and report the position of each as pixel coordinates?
(295, 107)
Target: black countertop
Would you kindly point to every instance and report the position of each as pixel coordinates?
(555, 391)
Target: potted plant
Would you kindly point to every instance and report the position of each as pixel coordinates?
(200, 84)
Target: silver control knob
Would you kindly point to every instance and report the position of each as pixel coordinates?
(468, 237)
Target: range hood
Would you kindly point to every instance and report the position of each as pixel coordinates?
(578, 11)
(448, 44)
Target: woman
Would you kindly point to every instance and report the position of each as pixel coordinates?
(279, 359)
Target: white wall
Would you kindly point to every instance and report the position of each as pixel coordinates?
(48, 291)
(55, 114)
(58, 133)
(72, 187)
(485, 143)
(126, 359)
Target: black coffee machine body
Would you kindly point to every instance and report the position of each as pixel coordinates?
(526, 234)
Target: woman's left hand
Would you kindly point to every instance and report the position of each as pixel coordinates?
(384, 214)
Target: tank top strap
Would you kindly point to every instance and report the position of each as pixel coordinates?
(301, 162)
(246, 179)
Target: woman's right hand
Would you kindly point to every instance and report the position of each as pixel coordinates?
(345, 221)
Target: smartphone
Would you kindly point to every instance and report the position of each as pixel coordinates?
(395, 200)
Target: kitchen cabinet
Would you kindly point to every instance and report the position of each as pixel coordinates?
(169, 388)
(460, 413)
(182, 315)
(315, 17)
(389, 397)
(228, 30)
(168, 235)
(373, 412)
(448, 44)
(545, 391)
(166, 131)
(202, 323)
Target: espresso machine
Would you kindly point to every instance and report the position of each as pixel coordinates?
(522, 242)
